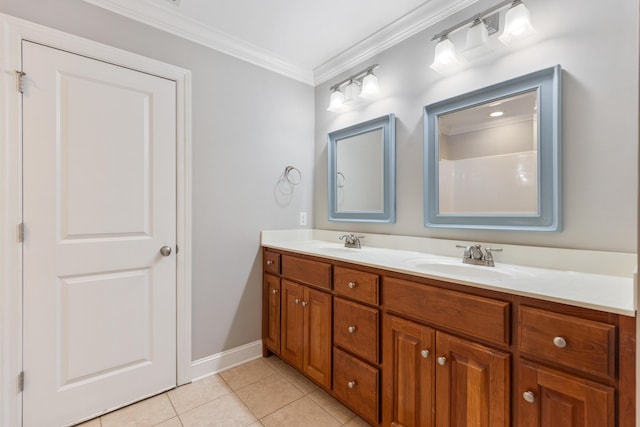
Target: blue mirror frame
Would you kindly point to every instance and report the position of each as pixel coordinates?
(547, 83)
(388, 213)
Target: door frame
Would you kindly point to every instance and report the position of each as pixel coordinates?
(12, 32)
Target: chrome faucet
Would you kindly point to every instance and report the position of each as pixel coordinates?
(351, 240)
(473, 255)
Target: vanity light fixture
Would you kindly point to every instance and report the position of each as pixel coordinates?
(370, 86)
(477, 38)
(517, 23)
(445, 59)
(336, 100)
(348, 92)
(517, 26)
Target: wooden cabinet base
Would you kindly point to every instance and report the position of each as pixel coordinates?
(405, 351)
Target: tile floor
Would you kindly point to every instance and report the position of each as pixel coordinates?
(263, 392)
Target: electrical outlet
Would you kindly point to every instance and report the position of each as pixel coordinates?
(303, 218)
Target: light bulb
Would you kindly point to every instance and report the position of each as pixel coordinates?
(370, 86)
(445, 58)
(517, 24)
(336, 101)
(477, 37)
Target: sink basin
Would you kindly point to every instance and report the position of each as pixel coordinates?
(451, 267)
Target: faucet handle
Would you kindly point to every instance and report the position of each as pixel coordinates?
(489, 252)
(467, 250)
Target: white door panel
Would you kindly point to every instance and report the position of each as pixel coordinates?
(99, 201)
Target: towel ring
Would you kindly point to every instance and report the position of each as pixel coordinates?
(292, 175)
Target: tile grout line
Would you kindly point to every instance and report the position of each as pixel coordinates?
(174, 407)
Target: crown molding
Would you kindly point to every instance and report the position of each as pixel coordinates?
(410, 24)
(168, 18)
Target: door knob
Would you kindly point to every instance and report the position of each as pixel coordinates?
(165, 250)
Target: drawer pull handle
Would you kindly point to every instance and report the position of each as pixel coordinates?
(269, 262)
(351, 329)
(297, 301)
(442, 360)
(351, 384)
(275, 292)
(304, 303)
(425, 354)
(352, 285)
(529, 397)
(559, 342)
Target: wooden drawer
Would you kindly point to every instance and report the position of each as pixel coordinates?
(588, 345)
(356, 284)
(355, 328)
(480, 317)
(357, 384)
(271, 262)
(310, 272)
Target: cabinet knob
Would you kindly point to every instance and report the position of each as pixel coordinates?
(269, 262)
(529, 397)
(275, 292)
(425, 354)
(352, 285)
(304, 303)
(559, 342)
(351, 329)
(442, 360)
(351, 384)
(297, 301)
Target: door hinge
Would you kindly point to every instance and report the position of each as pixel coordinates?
(21, 382)
(20, 80)
(21, 232)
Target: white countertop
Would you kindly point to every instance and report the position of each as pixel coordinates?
(596, 280)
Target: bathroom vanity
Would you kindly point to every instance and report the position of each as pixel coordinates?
(411, 338)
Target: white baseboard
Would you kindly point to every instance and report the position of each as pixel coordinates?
(219, 362)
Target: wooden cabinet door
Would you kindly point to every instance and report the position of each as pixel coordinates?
(472, 384)
(317, 335)
(408, 381)
(292, 328)
(554, 399)
(271, 313)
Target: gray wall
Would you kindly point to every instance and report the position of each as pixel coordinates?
(596, 43)
(248, 124)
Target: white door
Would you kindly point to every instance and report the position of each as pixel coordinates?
(99, 202)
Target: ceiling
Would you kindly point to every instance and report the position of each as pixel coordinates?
(311, 41)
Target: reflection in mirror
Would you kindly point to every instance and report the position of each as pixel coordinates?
(492, 156)
(360, 188)
(362, 172)
(488, 158)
